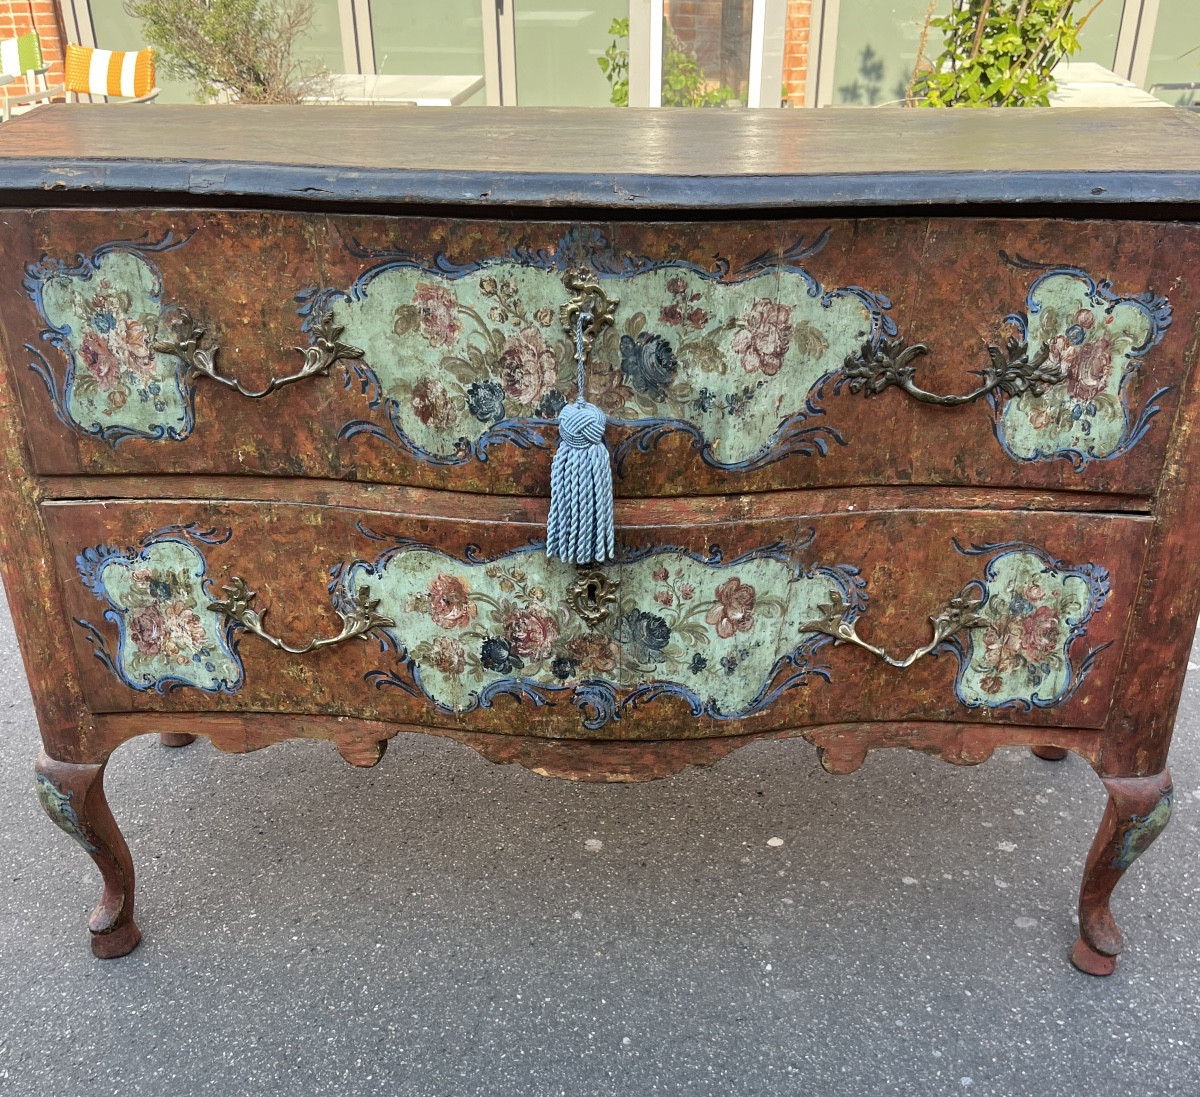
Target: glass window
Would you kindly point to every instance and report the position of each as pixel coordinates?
(1098, 39)
(706, 52)
(417, 38)
(877, 49)
(1175, 53)
(558, 43)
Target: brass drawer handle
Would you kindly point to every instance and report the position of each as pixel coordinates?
(1011, 371)
(358, 618)
(955, 615)
(326, 350)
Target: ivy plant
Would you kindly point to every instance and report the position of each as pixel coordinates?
(997, 53)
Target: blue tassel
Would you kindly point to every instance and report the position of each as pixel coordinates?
(580, 527)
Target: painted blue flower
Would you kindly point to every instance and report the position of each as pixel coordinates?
(103, 322)
(160, 589)
(698, 663)
(1076, 334)
(552, 403)
(644, 636)
(1020, 606)
(728, 664)
(562, 668)
(485, 400)
(497, 655)
(648, 363)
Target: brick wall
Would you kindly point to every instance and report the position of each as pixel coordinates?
(795, 50)
(718, 33)
(21, 16)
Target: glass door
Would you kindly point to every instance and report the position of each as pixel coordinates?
(558, 46)
(419, 38)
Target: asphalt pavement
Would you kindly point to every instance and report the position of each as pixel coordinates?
(443, 927)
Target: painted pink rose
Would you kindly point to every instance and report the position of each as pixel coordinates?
(1040, 633)
(660, 575)
(531, 632)
(528, 369)
(734, 610)
(431, 404)
(1063, 352)
(448, 656)
(764, 336)
(1040, 418)
(991, 684)
(686, 592)
(594, 653)
(676, 285)
(1086, 319)
(184, 632)
(450, 603)
(1088, 375)
(134, 346)
(1034, 593)
(1002, 643)
(99, 359)
(439, 314)
(146, 629)
(664, 597)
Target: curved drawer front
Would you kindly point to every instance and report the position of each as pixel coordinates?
(710, 628)
(741, 357)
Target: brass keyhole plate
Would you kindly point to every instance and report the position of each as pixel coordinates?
(594, 596)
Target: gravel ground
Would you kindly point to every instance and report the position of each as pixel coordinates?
(442, 926)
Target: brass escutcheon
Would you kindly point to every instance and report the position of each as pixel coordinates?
(594, 596)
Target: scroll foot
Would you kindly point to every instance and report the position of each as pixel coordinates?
(1049, 754)
(73, 796)
(175, 738)
(1137, 813)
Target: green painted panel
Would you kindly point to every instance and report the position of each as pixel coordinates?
(557, 44)
(456, 354)
(719, 630)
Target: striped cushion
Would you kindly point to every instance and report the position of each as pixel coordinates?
(109, 72)
(20, 55)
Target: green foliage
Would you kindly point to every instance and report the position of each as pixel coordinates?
(242, 48)
(614, 63)
(684, 83)
(998, 53)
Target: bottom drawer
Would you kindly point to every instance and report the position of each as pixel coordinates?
(710, 623)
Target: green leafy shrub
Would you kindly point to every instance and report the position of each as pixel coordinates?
(997, 53)
(245, 49)
(684, 83)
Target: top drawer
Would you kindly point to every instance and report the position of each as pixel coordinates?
(745, 356)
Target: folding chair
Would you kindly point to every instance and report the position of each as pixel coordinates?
(22, 57)
(127, 76)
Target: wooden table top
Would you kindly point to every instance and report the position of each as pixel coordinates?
(608, 158)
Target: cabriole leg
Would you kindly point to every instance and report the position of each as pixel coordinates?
(1139, 808)
(73, 797)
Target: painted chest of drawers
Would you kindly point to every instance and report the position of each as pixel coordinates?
(900, 411)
